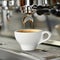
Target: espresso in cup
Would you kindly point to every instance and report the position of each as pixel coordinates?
(29, 39)
(28, 30)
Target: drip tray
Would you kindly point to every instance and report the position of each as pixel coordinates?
(44, 54)
(37, 54)
(52, 43)
(10, 47)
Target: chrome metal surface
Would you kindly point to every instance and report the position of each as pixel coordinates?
(11, 50)
(4, 55)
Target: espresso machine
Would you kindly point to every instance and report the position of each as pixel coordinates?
(11, 21)
(20, 14)
(29, 14)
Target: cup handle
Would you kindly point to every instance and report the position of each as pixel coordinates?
(43, 40)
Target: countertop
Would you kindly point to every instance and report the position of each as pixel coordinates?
(42, 51)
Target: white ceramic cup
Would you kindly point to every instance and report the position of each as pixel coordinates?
(29, 39)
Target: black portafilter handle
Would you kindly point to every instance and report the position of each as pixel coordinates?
(48, 9)
(43, 10)
(40, 7)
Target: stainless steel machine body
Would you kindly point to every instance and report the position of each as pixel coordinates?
(15, 11)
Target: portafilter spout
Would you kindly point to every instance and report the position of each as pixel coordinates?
(28, 18)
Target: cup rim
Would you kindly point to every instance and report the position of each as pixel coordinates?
(33, 30)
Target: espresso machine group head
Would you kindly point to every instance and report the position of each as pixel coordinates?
(26, 8)
(41, 6)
